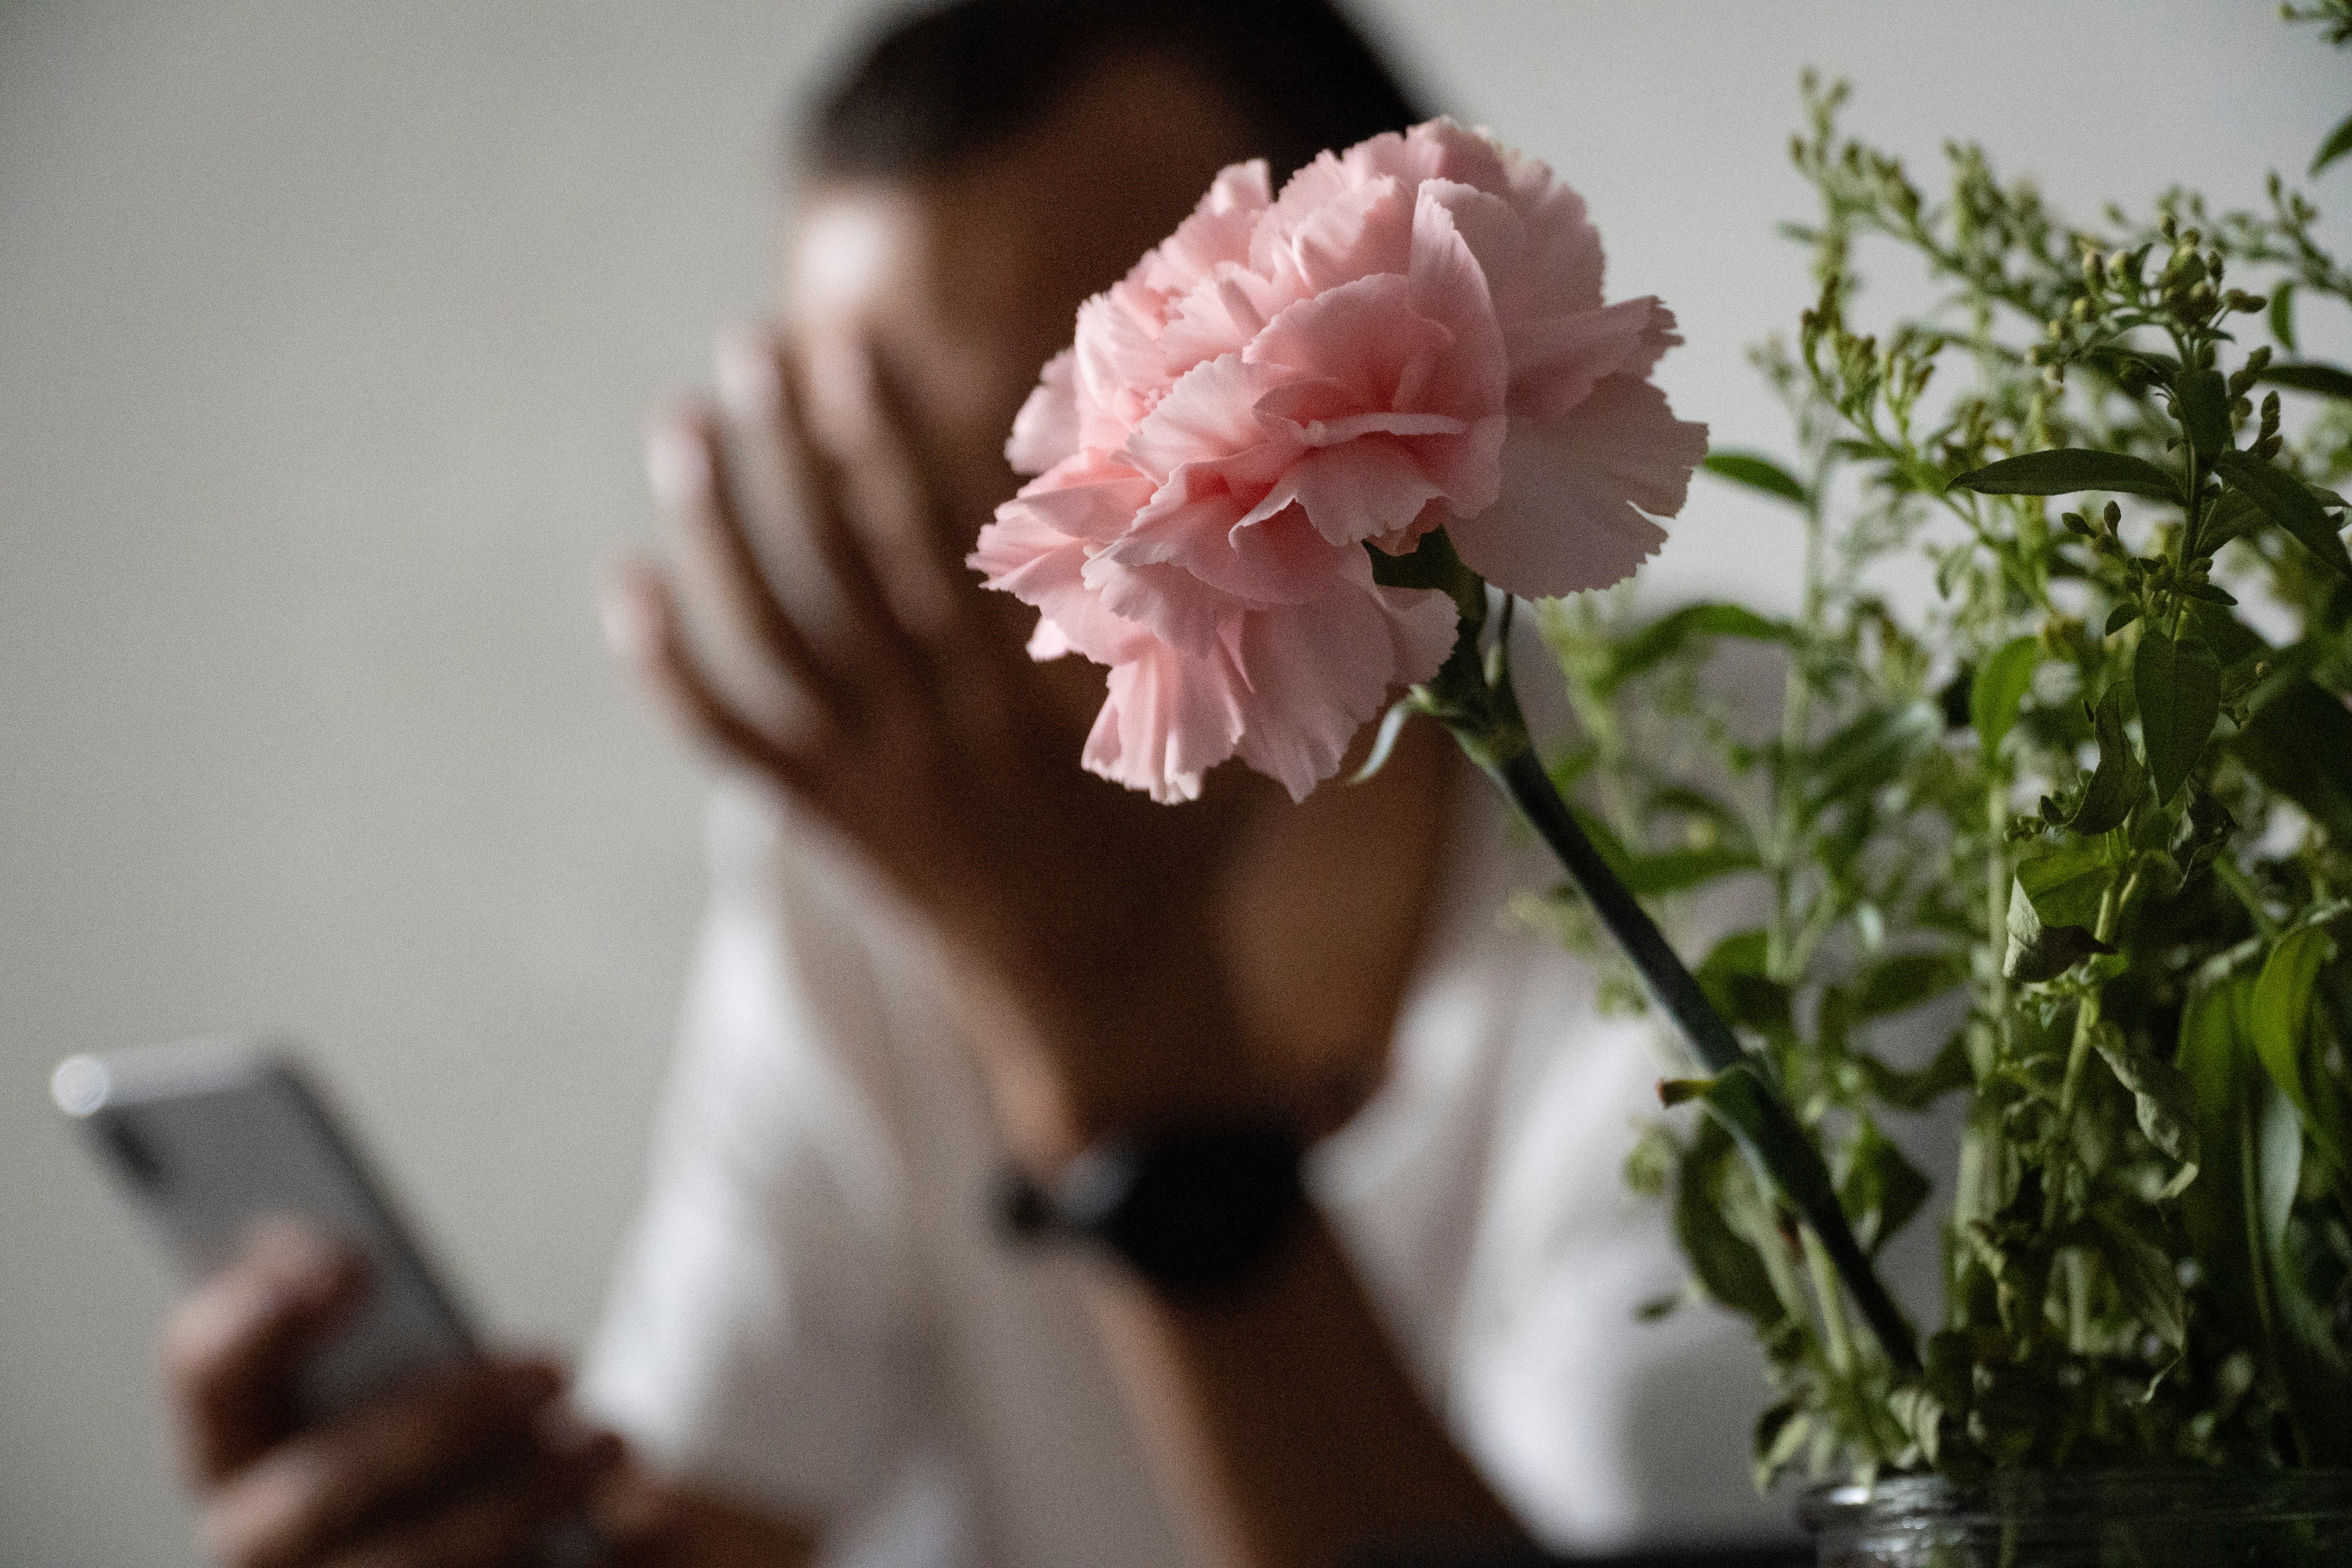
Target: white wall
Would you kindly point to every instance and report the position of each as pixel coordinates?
(324, 331)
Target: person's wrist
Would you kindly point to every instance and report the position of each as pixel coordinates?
(1119, 1053)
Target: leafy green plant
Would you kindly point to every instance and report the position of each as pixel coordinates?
(2090, 810)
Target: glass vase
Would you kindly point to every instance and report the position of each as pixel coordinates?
(2140, 1518)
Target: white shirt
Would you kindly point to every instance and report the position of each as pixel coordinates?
(814, 1314)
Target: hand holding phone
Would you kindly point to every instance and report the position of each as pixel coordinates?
(331, 1403)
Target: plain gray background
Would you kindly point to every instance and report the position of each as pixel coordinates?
(325, 331)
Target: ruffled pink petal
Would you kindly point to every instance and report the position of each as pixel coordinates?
(1360, 233)
(1216, 233)
(1566, 520)
(1439, 149)
(1493, 233)
(1220, 316)
(1556, 362)
(1365, 488)
(1169, 719)
(1094, 494)
(1318, 671)
(1045, 431)
(1562, 266)
(1470, 377)
(1120, 369)
(1361, 337)
(1281, 560)
(1045, 570)
(1209, 415)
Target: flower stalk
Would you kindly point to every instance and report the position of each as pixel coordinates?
(1473, 695)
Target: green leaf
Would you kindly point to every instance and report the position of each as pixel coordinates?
(2162, 1099)
(2068, 470)
(1784, 1156)
(1668, 636)
(2338, 142)
(2235, 1215)
(1918, 1087)
(2039, 951)
(2064, 885)
(1882, 1189)
(2221, 1210)
(2178, 685)
(2283, 311)
(1732, 974)
(1898, 983)
(2288, 1039)
(1723, 1262)
(1865, 755)
(2201, 402)
(2327, 380)
(2119, 617)
(1999, 691)
(2286, 501)
(2143, 1271)
(1674, 871)
(2297, 742)
(1757, 472)
(2227, 515)
(1782, 1434)
(2114, 786)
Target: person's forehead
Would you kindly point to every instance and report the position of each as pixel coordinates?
(1033, 226)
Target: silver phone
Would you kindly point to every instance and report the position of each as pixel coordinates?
(214, 1136)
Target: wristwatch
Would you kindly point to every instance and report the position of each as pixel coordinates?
(1195, 1211)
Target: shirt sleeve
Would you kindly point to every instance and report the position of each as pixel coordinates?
(762, 1338)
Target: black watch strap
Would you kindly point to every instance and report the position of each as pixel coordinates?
(1190, 1210)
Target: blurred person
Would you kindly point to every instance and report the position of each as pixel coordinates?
(939, 950)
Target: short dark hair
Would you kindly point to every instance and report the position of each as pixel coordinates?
(951, 81)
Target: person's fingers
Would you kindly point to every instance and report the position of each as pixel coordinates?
(687, 462)
(641, 620)
(310, 1494)
(502, 1521)
(910, 521)
(234, 1347)
(847, 548)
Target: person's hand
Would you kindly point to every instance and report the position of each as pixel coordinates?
(894, 701)
(461, 1469)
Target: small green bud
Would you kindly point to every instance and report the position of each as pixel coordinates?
(2242, 409)
(2075, 523)
(2260, 360)
(2113, 515)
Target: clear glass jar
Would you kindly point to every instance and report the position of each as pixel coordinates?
(2140, 1518)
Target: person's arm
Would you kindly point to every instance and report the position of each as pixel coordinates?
(1280, 1416)
(468, 1469)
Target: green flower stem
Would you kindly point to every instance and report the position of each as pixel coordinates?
(1472, 696)
(1790, 1159)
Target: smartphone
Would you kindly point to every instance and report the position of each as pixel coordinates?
(212, 1137)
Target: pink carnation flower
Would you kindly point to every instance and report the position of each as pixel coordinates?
(1412, 336)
